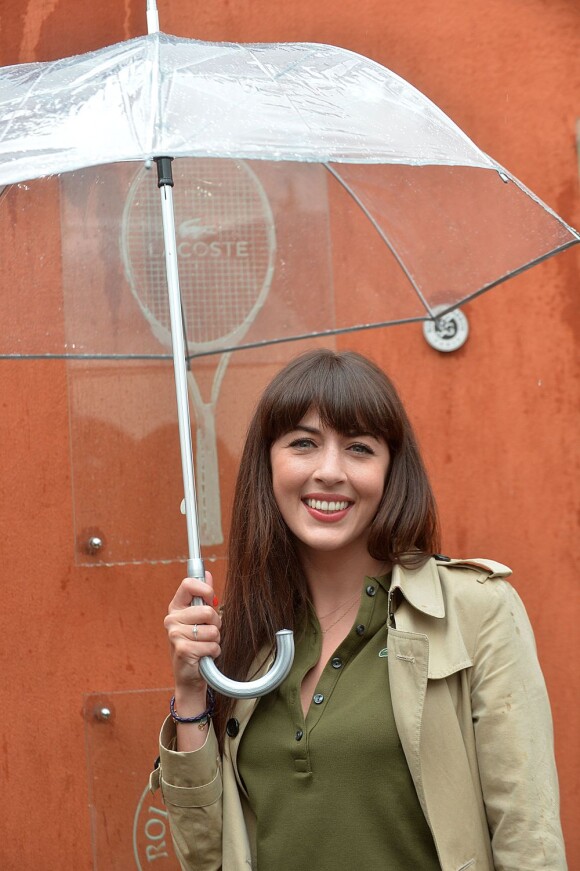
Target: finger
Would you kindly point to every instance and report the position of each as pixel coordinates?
(196, 614)
(203, 632)
(190, 644)
(188, 653)
(209, 580)
(189, 589)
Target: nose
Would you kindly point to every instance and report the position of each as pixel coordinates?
(330, 467)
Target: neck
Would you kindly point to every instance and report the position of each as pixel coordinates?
(333, 576)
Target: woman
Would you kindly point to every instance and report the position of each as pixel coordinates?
(413, 731)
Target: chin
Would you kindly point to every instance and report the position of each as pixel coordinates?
(326, 545)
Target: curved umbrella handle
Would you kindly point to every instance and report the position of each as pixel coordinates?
(251, 689)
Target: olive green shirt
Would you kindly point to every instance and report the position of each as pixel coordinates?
(333, 791)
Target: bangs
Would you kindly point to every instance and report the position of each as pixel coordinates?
(349, 393)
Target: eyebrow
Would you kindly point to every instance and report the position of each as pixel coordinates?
(315, 431)
(304, 428)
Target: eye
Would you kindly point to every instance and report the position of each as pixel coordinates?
(361, 448)
(302, 443)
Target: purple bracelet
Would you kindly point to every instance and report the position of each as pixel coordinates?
(201, 718)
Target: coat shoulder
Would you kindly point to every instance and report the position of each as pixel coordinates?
(474, 589)
(472, 584)
(477, 592)
(475, 568)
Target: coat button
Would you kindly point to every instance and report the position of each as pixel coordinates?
(360, 629)
(299, 735)
(232, 727)
(336, 662)
(371, 591)
(318, 699)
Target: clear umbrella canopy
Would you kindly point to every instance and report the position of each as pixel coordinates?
(162, 94)
(402, 180)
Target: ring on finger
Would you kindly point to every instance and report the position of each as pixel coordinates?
(195, 628)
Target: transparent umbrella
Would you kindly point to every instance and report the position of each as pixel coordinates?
(455, 221)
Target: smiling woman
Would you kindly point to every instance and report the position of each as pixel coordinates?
(405, 734)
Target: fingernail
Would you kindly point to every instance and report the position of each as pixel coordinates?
(215, 601)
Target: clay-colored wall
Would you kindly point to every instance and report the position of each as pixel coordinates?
(497, 420)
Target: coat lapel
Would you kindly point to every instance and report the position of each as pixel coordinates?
(425, 643)
(408, 671)
(422, 611)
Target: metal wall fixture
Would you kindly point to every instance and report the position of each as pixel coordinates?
(98, 708)
(103, 713)
(94, 544)
(447, 333)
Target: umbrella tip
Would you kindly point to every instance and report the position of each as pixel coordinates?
(152, 17)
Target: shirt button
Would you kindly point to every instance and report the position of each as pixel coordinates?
(360, 629)
(232, 727)
(299, 735)
(336, 662)
(318, 699)
(371, 591)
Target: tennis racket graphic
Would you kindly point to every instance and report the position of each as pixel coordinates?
(226, 245)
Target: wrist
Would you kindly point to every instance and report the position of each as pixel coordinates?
(190, 701)
(185, 715)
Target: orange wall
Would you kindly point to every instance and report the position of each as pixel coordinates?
(497, 420)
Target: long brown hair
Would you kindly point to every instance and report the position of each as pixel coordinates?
(266, 588)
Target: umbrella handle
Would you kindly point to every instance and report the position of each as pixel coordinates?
(251, 689)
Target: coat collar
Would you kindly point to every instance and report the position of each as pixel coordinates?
(421, 587)
(421, 599)
(438, 643)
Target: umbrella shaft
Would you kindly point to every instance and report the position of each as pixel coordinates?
(152, 17)
(195, 566)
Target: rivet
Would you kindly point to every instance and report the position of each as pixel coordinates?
(103, 713)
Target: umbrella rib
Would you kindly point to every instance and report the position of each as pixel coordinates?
(86, 356)
(383, 236)
(333, 331)
(515, 272)
(525, 190)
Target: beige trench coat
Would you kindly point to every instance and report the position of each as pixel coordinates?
(473, 717)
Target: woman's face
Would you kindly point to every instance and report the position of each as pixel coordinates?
(328, 486)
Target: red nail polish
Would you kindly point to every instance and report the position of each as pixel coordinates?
(215, 601)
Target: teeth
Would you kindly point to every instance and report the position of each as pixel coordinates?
(323, 505)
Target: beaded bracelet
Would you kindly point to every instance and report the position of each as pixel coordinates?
(201, 719)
